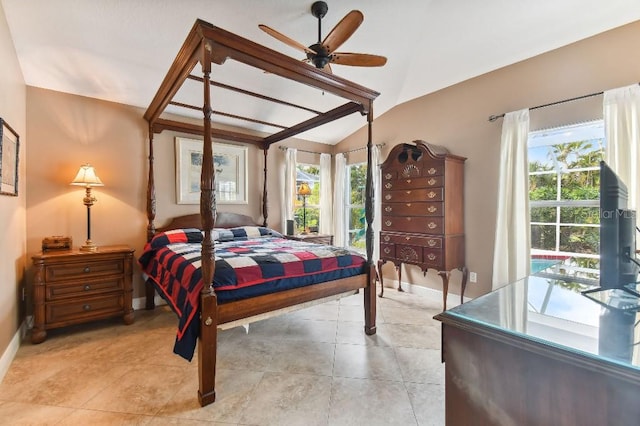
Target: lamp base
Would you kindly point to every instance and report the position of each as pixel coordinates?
(89, 246)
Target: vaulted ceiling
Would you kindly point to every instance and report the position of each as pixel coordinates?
(120, 50)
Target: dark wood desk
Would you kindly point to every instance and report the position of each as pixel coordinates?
(536, 353)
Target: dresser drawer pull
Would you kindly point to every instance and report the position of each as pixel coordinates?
(407, 238)
(408, 180)
(388, 176)
(387, 197)
(86, 270)
(431, 256)
(431, 194)
(431, 181)
(408, 219)
(408, 204)
(432, 209)
(431, 171)
(432, 225)
(388, 223)
(86, 307)
(388, 185)
(408, 192)
(388, 209)
(387, 238)
(87, 287)
(432, 243)
(387, 250)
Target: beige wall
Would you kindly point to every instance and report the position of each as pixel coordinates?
(12, 209)
(456, 117)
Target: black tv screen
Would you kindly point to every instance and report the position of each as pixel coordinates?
(617, 232)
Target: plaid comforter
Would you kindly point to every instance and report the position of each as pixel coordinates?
(250, 261)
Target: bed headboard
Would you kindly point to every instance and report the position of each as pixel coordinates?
(223, 220)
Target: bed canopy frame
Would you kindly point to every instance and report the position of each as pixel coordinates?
(208, 45)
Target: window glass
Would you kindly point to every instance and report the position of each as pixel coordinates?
(356, 228)
(307, 208)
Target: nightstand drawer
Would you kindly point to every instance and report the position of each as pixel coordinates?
(86, 288)
(68, 271)
(93, 308)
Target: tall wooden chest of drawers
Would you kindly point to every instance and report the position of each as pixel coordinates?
(423, 211)
(72, 286)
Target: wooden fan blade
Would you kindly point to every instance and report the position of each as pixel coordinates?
(327, 69)
(358, 59)
(286, 40)
(343, 30)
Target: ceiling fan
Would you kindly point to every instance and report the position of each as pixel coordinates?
(323, 53)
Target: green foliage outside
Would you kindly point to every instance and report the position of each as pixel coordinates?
(357, 194)
(575, 185)
(312, 201)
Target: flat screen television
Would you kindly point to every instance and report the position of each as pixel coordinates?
(618, 266)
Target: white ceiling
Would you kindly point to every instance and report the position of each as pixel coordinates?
(120, 50)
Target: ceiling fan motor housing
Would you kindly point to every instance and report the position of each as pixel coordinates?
(321, 58)
(319, 9)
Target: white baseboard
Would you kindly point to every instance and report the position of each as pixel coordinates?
(141, 302)
(452, 299)
(11, 351)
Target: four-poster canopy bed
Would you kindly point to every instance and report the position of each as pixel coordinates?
(208, 45)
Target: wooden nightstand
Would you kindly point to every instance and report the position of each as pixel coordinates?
(312, 238)
(72, 286)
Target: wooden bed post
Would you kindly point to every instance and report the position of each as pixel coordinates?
(207, 346)
(370, 290)
(265, 213)
(151, 215)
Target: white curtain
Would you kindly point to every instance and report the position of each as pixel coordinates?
(290, 177)
(511, 254)
(326, 197)
(339, 219)
(377, 201)
(621, 111)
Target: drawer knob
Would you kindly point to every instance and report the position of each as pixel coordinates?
(87, 287)
(86, 307)
(388, 223)
(408, 180)
(408, 204)
(388, 209)
(408, 192)
(387, 197)
(387, 238)
(431, 181)
(431, 171)
(387, 250)
(431, 243)
(407, 238)
(388, 185)
(432, 225)
(431, 209)
(431, 256)
(86, 270)
(431, 194)
(388, 176)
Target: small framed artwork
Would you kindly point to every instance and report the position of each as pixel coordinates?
(9, 149)
(230, 163)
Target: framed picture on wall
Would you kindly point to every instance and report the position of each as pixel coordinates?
(230, 164)
(9, 149)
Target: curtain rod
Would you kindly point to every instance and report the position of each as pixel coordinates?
(493, 118)
(284, 148)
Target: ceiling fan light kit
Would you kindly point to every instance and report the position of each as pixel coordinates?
(323, 53)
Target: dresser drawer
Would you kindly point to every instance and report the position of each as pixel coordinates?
(409, 254)
(410, 183)
(433, 257)
(85, 288)
(433, 169)
(411, 239)
(80, 310)
(421, 225)
(96, 268)
(412, 209)
(407, 195)
(387, 251)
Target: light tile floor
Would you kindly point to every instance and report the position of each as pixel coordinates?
(311, 367)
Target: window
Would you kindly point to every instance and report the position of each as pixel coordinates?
(355, 194)
(309, 174)
(564, 184)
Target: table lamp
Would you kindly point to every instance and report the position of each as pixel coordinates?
(87, 177)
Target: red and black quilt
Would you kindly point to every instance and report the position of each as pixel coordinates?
(249, 262)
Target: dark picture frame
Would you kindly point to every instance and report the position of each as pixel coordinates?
(9, 157)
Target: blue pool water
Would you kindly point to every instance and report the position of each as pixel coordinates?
(538, 265)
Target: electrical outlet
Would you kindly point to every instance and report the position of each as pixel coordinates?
(473, 277)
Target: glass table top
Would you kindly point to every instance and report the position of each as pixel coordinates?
(555, 312)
